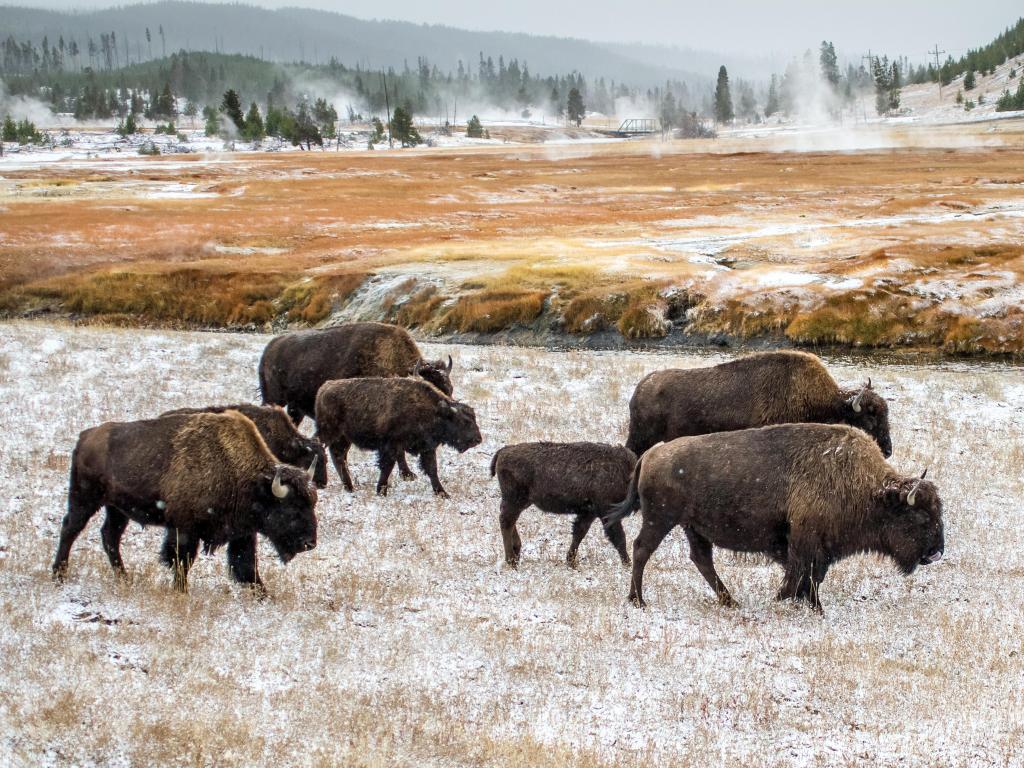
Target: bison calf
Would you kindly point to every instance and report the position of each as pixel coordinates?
(207, 478)
(754, 391)
(392, 416)
(806, 495)
(581, 479)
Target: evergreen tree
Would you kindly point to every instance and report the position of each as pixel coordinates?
(302, 129)
(402, 127)
(253, 129)
(575, 110)
(10, 130)
(212, 120)
(231, 106)
(772, 105)
(669, 112)
(128, 126)
(474, 128)
(969, 81)
(723, 98)
(829, 64)
(326, 117)
(378, 131)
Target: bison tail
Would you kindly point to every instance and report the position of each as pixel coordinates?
(629, 505)
(494, 463)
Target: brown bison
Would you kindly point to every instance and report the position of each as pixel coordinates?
(208, 478)
(278, 431)
(392, 416)
(806, 495)
(754, 391)
(295, 365)
(581, 479)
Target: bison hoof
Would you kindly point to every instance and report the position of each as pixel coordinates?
(382, 490)
(442, 494)
(572, 561)
(638, 602)
(512, 563)
(726, 601)
(408, 474)
(59, 574)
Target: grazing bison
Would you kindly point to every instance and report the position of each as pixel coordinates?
(295, 365)
(208, 478)
(581, 479)
(754, 391)
(806, 495)
(391, 416)
(282, 438)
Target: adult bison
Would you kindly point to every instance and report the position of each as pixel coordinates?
(279, 433)
(295, 365)
(755, 391)
(392, 416)
(207, 478)
(581, 479)
(806, 495)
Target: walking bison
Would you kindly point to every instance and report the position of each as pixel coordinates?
(295, 365)
(392, 416)
(805, 495)
(755, 391)
(581, 479)
(207, 478)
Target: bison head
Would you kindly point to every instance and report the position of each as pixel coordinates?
(438, 373)
(868, 411)
(285, 504)
(912, 531)
(458, 425)
(304, 452)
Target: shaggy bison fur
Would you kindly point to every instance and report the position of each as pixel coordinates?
(392, 416)
(805, 495)
(581, 479)
(755, 391)
(207, 478)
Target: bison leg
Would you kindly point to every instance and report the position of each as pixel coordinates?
(428, 463)
(509, 533)
(339, 455)
(580, 527)
(617, 536)
(652, 532)
(386, 458)
(242, 561)
(179, 552)
(80, 511)
(701, 556)
(403, 468)
(802, 581)
(111, 533)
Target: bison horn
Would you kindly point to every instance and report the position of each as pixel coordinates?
(449, 363)
(312, 468)
(912, 496)
(856, 401)
(279, 489)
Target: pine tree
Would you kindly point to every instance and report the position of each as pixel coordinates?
(10, 130)
(232, 107)
(723, 98)
(254, 129)
(402, 127)
(829, 64)
(772, 105)
(669, 112)
(474, 128)
(212, 120)
(969, 81)
(575, 109)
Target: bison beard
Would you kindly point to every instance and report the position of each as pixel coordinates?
(294, 366)
(754, 391)
(392, 416)
(208, 478)
(579, 479)
(805, 495)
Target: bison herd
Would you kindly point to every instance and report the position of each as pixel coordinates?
(765, 454)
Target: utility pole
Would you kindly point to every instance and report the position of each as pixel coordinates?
(871, 73)
(387, 104)
(938, 74)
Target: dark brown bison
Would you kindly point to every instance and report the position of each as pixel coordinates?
(208, 478)
(754, 391)
(392, 416)
(295, 365)
(581, 479)
(806, 495)
(282, 438)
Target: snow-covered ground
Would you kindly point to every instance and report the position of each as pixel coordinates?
(403, 639)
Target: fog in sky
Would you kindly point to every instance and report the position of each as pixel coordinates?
(897, 27)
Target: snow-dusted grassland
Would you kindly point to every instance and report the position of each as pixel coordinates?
(403, 640)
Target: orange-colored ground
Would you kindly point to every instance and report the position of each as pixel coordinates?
(794, 243)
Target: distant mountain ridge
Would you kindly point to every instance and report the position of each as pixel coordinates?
(291, 34)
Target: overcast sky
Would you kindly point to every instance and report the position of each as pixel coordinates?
(904, 27)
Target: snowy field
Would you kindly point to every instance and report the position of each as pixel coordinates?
(404, 640)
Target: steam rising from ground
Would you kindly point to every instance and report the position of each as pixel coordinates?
(24, 108)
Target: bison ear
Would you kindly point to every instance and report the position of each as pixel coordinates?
(446, 408)
(890, 496)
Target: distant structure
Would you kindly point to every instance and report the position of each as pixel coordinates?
(636, 126)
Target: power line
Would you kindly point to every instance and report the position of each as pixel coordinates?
(936, 53)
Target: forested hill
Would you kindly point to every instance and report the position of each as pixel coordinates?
(297, 34)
